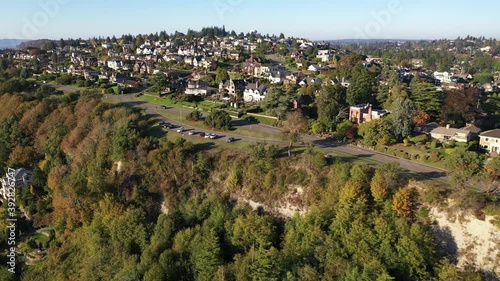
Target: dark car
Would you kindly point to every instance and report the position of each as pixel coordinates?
(163, 107)
(230, 139)
(202, 135)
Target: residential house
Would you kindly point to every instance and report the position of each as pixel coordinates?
(443, 77)
(115, 64)
(364, 113)
(250, 65)
(446, 134)
(15, 178)
(324, 55)
(254, 92)
(232, 87)
(417, 63)
(197, 88)
(314, 67)
(266, 71)
(342, 82)
(141, 67)
(92, 62)
(118, 78)
(276, 78)
(91, 75)
(311, 81)
(490, 141)
(292, 78)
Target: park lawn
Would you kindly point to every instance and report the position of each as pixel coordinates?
(261, 120)
(155, 100)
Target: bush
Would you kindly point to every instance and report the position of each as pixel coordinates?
(434, 144)
(434, 157)
(419, 138)
(406, 142)
(194, 116)
(451, 144)
(449, 151)
(218, 119)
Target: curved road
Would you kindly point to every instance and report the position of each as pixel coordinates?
(417, 169)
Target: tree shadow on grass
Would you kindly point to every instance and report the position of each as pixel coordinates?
(206, 146)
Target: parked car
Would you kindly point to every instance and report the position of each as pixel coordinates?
(163, 107)
(230, 139)
(191, 132)
(202, 135)
(180, 130)
(213, 136)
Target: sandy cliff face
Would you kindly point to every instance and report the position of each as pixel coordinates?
(470, 242)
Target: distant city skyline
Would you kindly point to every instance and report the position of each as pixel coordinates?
(314, 19)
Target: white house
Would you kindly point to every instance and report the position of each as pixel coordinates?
(490, 141)
(197, 88)
(446, 134)
(254, 93)
(324, 55)
(444, 77)
(115, 64)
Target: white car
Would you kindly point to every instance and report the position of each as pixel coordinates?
(191, 132)
(180, 130)
(213, 136)
(208, 136)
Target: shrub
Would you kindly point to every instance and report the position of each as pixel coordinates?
(194, 116)
(406, 142)
(451, 144)
(434, 144)
(435, 157)
(419, 138)
(449, 151)
(219, 119)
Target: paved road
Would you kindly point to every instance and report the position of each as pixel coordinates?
(418, 169)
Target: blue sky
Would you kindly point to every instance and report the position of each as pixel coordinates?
(313, 19)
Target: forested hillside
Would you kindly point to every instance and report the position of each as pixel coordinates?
(100, 181)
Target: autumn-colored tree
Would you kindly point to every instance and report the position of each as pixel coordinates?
(402, 202)
(421, 118)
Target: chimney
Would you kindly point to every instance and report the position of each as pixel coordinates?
(370, 118)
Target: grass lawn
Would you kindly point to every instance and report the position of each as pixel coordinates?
(41, 238)
(204, 106)
(259, 119)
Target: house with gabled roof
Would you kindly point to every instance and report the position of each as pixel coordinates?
(254, 92)
(490, 141)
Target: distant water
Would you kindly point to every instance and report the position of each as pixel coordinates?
(10, 43)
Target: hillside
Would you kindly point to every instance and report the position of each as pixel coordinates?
(34, 44)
